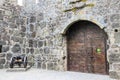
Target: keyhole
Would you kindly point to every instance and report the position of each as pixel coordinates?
(116, 30)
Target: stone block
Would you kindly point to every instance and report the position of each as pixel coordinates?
(12, 20)
(2, 61)
(33, 34)
(27, 50)
(35, 44)
(16, 48)
(43, 66)
(28, 35)
(9, 55)
(6, 65)
(32, 19)
(30, 43)
(114, 55)
(15, 32)
(23, 28)
(113, 74)
(2, 55)
(46, 50)
(5, 23)
(116, 66)
(40, 43)
(31, 27)
(31, 50)
(22, 34)
(115, 18)
(40, 17)
(41, 50)
(18, 21)
(115, 25)
(12, 25)
(1, 17)
(2, 30)
(22, 21)
(30, 59)
(2, 42)
(8, 12)
(1, 66)
(6, 37)
(23, 50)
(37, 24)
(1, 12)
(21, 40)
(39, 65)
(50, 66)
(43, 24)
(117, 37)
(114, 58)
(5, 48)
(69, 15)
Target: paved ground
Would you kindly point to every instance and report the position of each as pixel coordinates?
(38, 74)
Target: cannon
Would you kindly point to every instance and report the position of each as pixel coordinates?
(18, 60)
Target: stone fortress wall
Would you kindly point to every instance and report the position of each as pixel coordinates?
(37, 30)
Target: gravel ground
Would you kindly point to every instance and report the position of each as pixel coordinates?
(38, 74)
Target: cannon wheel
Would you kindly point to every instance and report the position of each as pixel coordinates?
(25, 62)
(12, 63)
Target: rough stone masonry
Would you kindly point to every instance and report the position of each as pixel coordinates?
(36, 30)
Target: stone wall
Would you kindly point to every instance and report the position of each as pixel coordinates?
(36, 30)
(8, 30)
(26, 31)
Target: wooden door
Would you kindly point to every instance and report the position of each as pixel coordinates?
(86, 44)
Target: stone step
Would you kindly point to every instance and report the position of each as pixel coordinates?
(18, 69)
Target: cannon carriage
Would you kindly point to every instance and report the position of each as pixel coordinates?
(19, 60)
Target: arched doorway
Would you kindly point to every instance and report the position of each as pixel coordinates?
(86, 48)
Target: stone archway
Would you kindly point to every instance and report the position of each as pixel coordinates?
(86, 48)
